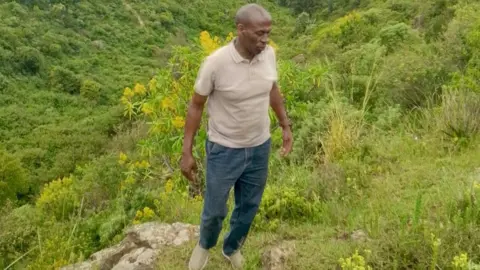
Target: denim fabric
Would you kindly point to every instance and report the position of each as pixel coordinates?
(244, 169)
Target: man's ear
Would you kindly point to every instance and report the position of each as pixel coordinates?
(241, 27)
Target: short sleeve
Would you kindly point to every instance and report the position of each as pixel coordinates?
(204, 82)
(273, 63)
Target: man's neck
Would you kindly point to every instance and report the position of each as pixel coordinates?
(242, 51)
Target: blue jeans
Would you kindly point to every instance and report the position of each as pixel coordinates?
(244, 169)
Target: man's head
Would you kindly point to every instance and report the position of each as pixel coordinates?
(254, 24)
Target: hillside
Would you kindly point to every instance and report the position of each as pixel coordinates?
(63, 68)
(384, 97)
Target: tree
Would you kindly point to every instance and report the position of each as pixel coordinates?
(13, 178)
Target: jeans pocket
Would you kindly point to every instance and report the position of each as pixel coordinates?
(214, 148)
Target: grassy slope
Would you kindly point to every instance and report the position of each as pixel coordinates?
(113, 43)
(386, 213)
(373, 185)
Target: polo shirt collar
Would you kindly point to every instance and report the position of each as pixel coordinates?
(238, 58)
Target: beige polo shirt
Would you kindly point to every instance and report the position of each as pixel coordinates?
(238, 93)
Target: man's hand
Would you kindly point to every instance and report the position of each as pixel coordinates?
(287, 141)
(189, 167)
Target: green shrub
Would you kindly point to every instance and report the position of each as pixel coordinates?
(412, 76)
(58, 199)
(394, 35)
(4, 82)
(99, 181)
(61, 244)
(285, 204)
(13, 178)
(64, 80)
(90, 89)
(29, 60)
(18, 231)
(460, 114)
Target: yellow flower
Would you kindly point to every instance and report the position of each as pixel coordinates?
(147, 109)
(129, 181)
(152, 85)
(229, 37)
(169, 186)
(139, 214)
(167, 103)
(148, 213)
(461, 261)
(124, 100)
(142, 165)
(178, 122)
(122, 158)
(273, 44)
(128, 93)
(140, 89)
(208, 44)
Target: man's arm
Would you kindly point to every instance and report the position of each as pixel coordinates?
(276, 102)
(192, 123)
(203, 87)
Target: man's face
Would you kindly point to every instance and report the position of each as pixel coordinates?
(255, 35)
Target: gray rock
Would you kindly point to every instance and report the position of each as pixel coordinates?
(140, 248)
(359, 236)
(275, 258)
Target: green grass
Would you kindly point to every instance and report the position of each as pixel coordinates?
(397, 222)
(380, 147)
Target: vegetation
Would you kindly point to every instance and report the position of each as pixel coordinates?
(385, 110)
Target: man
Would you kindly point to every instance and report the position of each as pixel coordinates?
(239, 81)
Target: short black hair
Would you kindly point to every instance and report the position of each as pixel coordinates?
(249, 12)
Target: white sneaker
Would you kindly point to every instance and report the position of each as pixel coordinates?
(236, 259)
(199, 258)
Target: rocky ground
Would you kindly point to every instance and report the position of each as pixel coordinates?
(141, 249)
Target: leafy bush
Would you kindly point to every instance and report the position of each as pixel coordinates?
(411, 77)
(58, 199)
(393, 35)
(4, 82)
(29, 60)
(18, 231)
(90, 89)
(460, 114)
(13, 177)
(282, 204)
(64, 80)
(99, 181)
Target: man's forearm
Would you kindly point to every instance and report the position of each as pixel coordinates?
(276, 102)
(192, 123)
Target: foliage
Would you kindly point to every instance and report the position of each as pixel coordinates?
(90, 89)
(18, 229)
(29, 60)
(58, 198)
(65, 80)
(355, 262)
(280, 205)
(13, 178)
(64, 61)
(384, 111)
